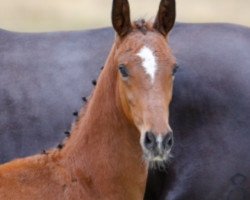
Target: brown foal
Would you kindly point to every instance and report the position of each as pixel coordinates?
(124, 127)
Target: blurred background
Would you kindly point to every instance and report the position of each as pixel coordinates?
(53, 15)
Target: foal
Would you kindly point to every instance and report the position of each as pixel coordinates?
(124, 127)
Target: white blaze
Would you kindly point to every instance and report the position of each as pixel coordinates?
(149, 62)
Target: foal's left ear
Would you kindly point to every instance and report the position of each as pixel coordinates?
(165, 18)
(121, 17)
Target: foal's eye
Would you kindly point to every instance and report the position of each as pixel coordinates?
(176, 67)
(123, 70)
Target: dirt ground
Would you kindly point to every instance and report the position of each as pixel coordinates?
(51, 15)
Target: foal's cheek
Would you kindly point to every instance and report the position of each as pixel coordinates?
(131, 100)
(137, 115)
(169, 91)
(138, 121)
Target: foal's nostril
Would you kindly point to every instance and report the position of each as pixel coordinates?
(150, 140)
(168, 141)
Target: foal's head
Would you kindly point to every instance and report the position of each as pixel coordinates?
(146, 65)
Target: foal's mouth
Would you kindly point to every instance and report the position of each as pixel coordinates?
(157, 157)
(159, 162)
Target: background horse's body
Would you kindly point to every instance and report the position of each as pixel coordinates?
(43, 77)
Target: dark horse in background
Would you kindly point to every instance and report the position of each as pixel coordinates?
(41, 84)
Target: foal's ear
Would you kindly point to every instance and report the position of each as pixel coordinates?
(165, 18)
(121, 17)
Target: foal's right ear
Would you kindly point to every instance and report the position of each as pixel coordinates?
(121, 17)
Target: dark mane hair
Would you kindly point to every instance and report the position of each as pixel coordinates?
(142, 25)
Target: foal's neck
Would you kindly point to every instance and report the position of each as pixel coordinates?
(104, 146)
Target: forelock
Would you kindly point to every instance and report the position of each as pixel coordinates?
(142, 26)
